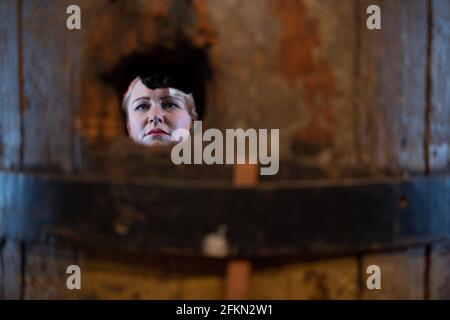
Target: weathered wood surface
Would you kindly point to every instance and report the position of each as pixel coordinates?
(324, 279)
(439, 273)
(439, 117)
(51, 86)
(348, 105)
(439, 135)
(124, 276)
(292, 72)
(12, 273)
(125, 161)
(392, 106)
(402, 275)
(323, 131)
(372, 214)
(297, 71)
(88, 106)
(45, 271)
(392, 88)
(10, 122)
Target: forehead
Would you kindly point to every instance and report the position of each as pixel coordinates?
(140, 90)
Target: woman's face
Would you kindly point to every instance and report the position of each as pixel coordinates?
(153, 114)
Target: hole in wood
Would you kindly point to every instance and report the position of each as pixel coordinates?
(187, 64)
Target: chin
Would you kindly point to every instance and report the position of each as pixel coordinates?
(156, 142)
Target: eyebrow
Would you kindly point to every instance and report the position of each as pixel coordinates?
(146, 98)
(176, 96)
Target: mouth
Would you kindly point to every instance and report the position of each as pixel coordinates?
(156, 132)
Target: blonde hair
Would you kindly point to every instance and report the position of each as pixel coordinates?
(189, 99)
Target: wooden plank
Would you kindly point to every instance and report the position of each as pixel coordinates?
(269, 282)
(5, 271)
(45, 272)
(402, 275)
(439, 144)
(392, 88)
(200, 278)
(116, 279)
(392, 130)
(10, 86)
(12, 270)
(294, 72)
(51, 66)
(124, 276)
(323, 279)
(439, 277)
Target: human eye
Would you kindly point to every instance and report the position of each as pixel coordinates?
(141, 107)
(169, 105)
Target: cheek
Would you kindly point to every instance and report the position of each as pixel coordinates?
(136, 124)
(179, 120)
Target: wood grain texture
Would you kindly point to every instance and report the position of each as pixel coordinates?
(439, 277)
(439, 144)
(392, 88)
(402, 275)
(12, 270)
(322, 279)
(10, 87)
(293, 73)
(45, 272)
(51, 64)
(122, 276)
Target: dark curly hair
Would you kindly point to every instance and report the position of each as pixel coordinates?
(156, 80)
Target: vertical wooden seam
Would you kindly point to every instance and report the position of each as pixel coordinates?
(356, 107)
(75, 82)
(427, 271)
(73, 114)
(356, 77)
(22, 269)
(21, 81)
(360, 276)
(429, 87)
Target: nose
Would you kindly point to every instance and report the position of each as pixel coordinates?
(156, 115)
